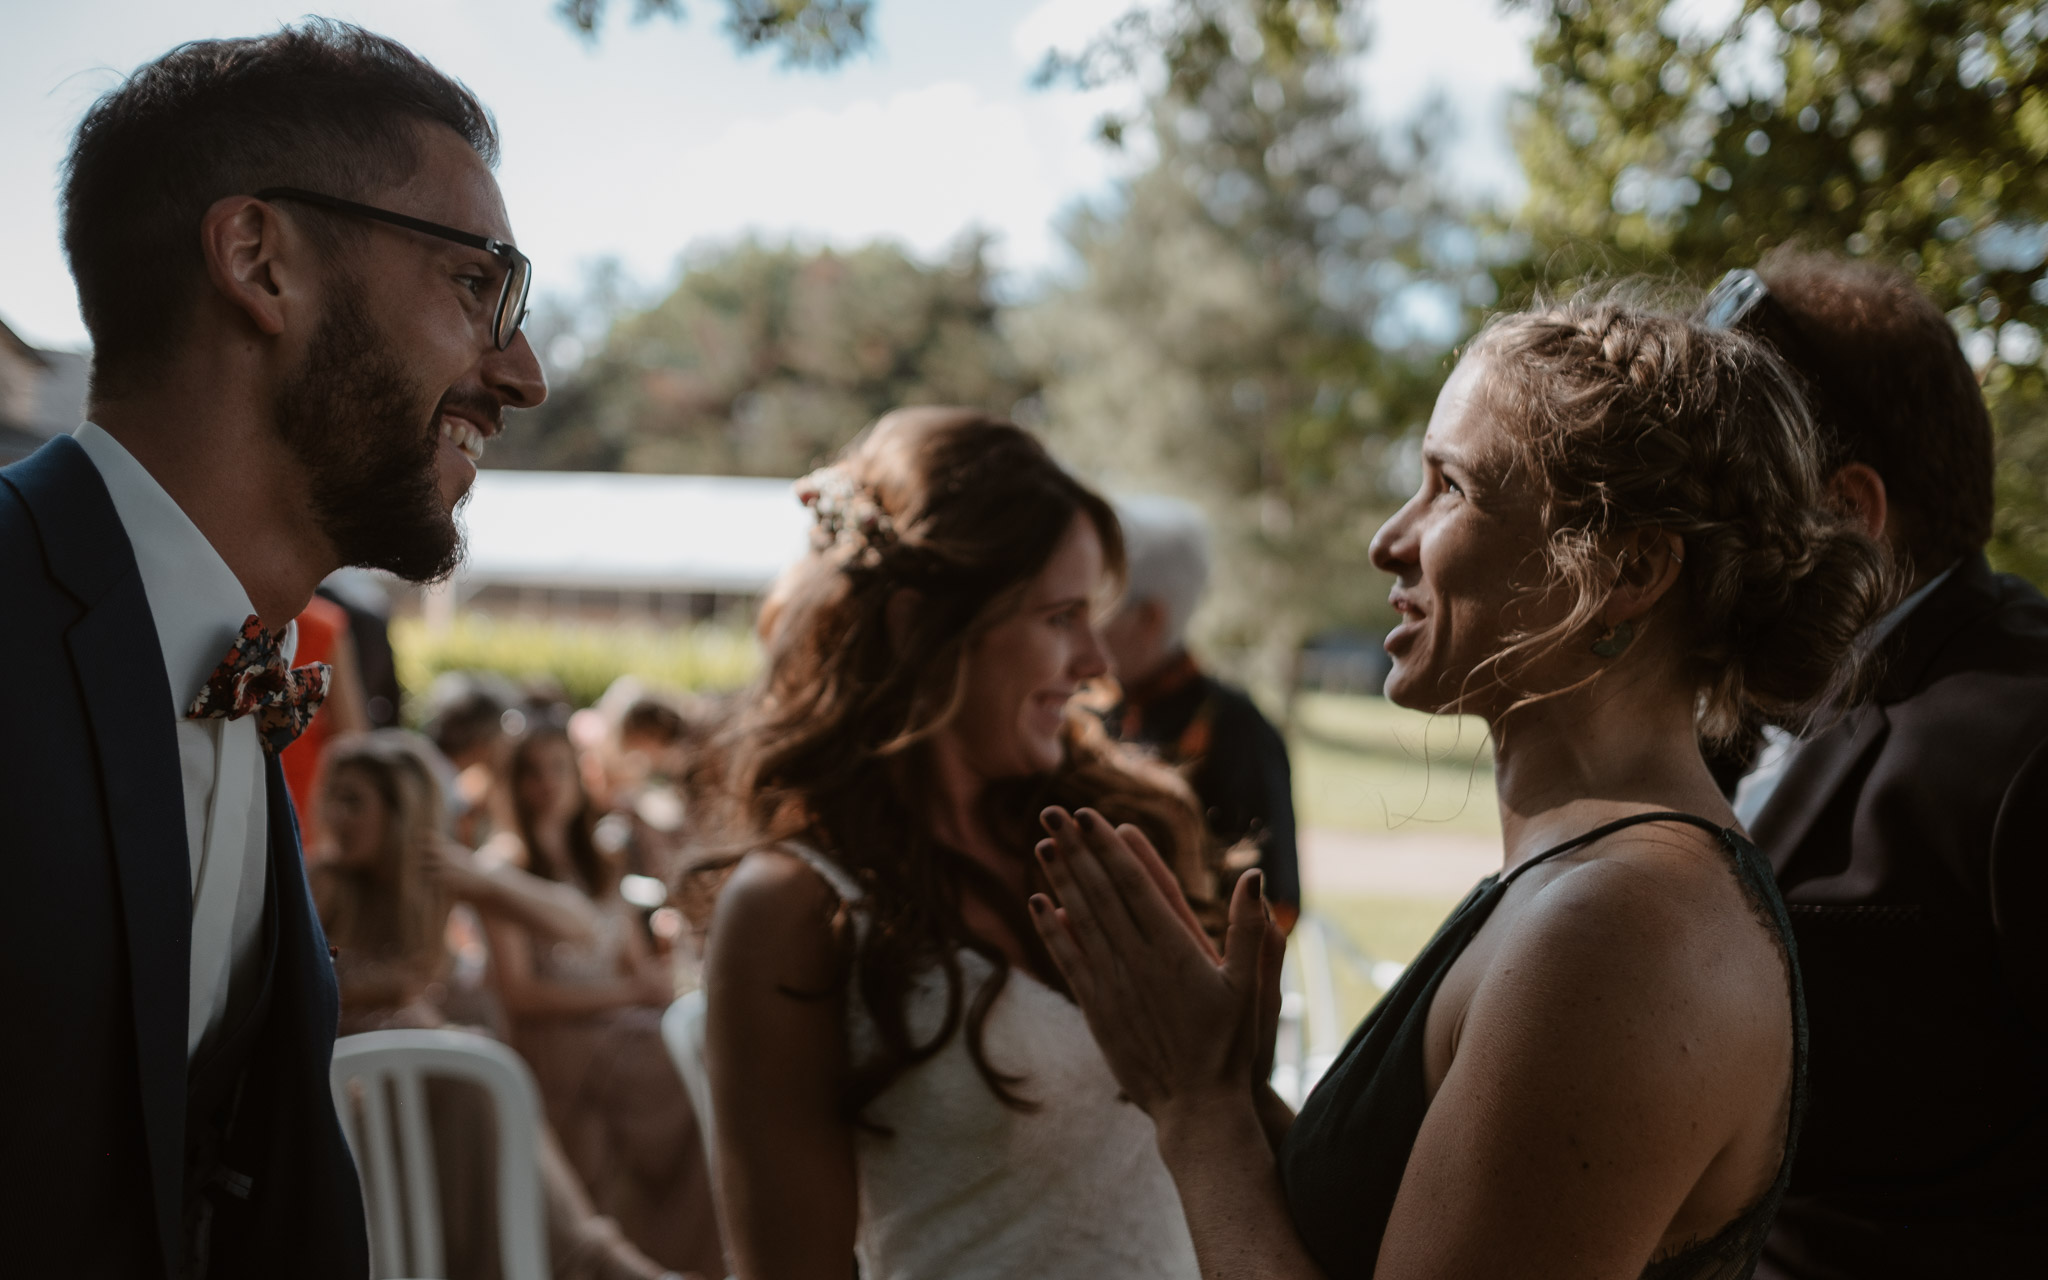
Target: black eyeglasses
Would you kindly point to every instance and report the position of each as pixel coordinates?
(511, 312)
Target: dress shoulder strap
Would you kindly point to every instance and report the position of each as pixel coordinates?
(832, 873)
(1608, 829)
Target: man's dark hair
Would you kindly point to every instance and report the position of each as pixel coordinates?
(324, 105)
(1890, 388)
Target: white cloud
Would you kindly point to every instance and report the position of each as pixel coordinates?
(917, 167)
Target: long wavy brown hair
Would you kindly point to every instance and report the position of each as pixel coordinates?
(831, 746)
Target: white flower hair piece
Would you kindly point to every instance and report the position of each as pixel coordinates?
(849, 516)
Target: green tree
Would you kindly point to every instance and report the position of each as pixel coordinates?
(765, 359)
(1260, 318)
(810, 33)
(1910, 130)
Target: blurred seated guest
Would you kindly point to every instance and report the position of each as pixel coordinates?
(1621, 545)
(324, 637)
(466, 715)
(383, 882)
(1911, 836)
(587, 1017)
(1210, 730)
(896, 1073)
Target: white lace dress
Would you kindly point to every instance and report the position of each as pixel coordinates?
(966, 1188)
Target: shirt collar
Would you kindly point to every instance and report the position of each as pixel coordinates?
(1890, 621)
(198, 604)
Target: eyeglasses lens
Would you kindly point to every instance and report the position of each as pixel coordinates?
(512, 305)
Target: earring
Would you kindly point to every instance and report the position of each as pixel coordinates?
(1611, 643)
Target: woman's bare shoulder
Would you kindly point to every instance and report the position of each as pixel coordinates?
(1650, 928)
(776, 905)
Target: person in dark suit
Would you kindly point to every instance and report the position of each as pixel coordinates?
(1235, 760)
(304, 305)
(1910, 836)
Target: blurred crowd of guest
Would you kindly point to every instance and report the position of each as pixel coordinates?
(504, 872)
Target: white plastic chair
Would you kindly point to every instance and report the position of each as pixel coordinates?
(682, 1030)
(370, 1072)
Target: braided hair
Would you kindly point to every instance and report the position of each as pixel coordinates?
(1631, 417)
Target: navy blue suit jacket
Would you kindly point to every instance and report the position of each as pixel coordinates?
(95, 947)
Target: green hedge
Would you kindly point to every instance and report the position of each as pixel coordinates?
(584, 659)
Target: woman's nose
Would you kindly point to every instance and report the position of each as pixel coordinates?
(1392, 547)
(1090, 660)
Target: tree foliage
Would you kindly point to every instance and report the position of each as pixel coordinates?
(765, 359)
(810, 33)
(1909, 130)
(1252, 323)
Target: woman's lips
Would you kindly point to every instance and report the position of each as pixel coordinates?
(1411, 622)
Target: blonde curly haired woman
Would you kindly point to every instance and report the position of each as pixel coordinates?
(1621, 547)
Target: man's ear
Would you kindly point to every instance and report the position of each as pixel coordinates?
(250, 260)
(1647, 562)
(900, 616)
(1859, 491)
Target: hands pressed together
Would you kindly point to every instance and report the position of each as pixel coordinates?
(1183, 1028)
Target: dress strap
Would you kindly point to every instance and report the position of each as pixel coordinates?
(1602, 832)
(832, 873)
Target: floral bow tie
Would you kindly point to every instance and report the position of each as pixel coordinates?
(254, 680)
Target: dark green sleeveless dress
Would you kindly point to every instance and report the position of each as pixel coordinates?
(1342, 1162)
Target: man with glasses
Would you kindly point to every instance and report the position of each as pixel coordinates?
(1910, 836)
(305, 309)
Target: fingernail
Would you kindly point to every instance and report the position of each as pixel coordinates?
(1054, 818)
(1038, 903)
(1045, 849)
(1259, 883)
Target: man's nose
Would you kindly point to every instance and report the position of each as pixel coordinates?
(515, 375)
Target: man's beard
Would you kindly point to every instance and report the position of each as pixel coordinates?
(352, 419)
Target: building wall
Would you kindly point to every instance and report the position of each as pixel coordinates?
(592, 607)
(21, 375)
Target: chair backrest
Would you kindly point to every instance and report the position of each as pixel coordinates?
(378, 1086)
(682, 1030)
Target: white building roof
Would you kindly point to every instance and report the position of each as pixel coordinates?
(614, 531)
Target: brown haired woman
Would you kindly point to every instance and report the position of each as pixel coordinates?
(1621, 547)
(586, 1016)
(895, 1072)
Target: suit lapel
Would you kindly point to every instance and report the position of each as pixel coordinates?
(120, 675)
(1812, 780)
(1824, 763)
(299, 931)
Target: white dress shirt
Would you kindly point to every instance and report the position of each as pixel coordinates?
(199, 607)
(1780, 748)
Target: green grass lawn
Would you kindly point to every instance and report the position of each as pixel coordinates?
(1365, 765)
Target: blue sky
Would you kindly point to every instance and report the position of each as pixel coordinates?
(660, 136)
